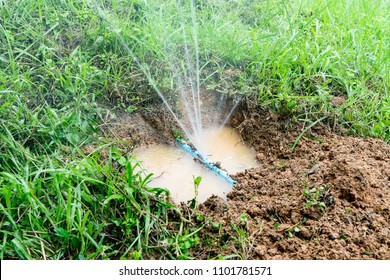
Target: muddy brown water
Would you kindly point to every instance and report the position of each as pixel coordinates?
(175, 169)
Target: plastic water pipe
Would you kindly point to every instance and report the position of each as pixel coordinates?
(187, 148)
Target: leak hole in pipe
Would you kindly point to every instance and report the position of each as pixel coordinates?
(175, 169)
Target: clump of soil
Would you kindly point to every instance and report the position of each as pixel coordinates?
(329, 198)
(141, 128)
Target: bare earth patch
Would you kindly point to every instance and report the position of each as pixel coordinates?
(354, 175)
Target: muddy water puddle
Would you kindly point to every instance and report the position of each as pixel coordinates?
(175, 169)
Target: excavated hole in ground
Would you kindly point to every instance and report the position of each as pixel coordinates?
(281, 199)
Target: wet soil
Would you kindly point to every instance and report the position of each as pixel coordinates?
(329, 198)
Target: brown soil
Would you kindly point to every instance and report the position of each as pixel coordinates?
(140, 128)
(267, 215)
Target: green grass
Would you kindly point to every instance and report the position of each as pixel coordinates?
(58, 203)
(60, 61)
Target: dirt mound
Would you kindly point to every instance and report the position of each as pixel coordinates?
(329, 198)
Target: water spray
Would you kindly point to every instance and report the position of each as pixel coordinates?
(201, 158)
(193, 107)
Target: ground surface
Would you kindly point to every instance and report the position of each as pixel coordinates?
(327, 199)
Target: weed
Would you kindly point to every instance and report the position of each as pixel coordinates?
(293, 231)
(242, 240)
(305, 130)
(194, 202)
(318, 197)
(179, 135)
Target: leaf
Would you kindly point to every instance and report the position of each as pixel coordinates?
(122, 161)
(216, 224)
(20, 250)
(62, 232)
(111, 197)
(197, 180)
(146, 180)
(115, 154)
(322, 204)
(157, 191)
(73, 138)
(243, 217)
(187, 244)
(75, 241)
(200, 218)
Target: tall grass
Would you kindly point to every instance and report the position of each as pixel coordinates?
(58, 203)
(60, 62)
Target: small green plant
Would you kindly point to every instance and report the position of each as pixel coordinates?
(296, 228)
(276, 220)
(319, 197)
(179, 135)
(242, 240)
(184, 241)
(194, 202)
(293, 231)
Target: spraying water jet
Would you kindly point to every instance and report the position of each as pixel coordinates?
(185, 67)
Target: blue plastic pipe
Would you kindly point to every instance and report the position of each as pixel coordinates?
(182, 144)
